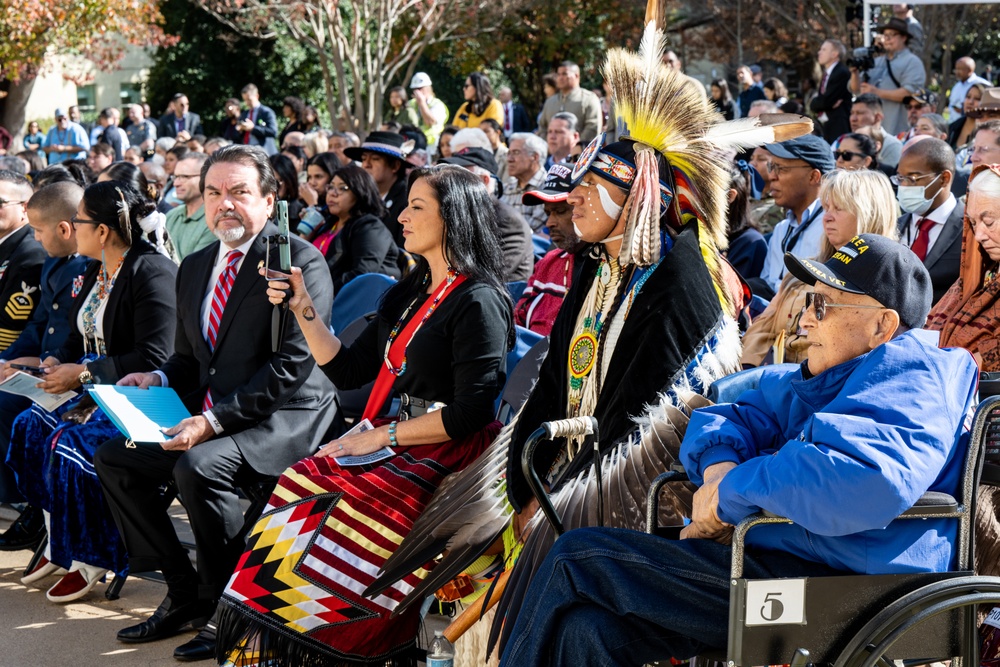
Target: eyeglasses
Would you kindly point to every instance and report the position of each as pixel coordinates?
(819, 304)
(781, 169)
(519, 153)
(180, 176)
(339, 189)
(82, 221)
(846, 156)
(5, 203)
(915, 107)
(905, 181)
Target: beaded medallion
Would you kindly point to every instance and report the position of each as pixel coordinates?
(582, 355)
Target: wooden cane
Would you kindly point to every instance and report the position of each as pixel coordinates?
(472, 613)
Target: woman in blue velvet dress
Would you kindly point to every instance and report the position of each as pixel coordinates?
(123, 321)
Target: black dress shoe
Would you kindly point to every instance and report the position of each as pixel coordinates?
(25, 533)
(169, 618)
(202, 647)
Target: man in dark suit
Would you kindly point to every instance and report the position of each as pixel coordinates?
(49, 213)
(256, 411)
(258, 125)
(932, 221)
(832, 103)
(180, 123)
(21, 258)
(515, 118)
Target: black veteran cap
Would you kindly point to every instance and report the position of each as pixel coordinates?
(557, 186)
(877, 266)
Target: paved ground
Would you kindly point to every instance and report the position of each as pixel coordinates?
(36, 633)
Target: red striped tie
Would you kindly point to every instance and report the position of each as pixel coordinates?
(219, 298)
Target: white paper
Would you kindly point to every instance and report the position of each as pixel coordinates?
(23, 384)
(364, 459)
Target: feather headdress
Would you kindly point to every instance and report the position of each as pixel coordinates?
(670, 157)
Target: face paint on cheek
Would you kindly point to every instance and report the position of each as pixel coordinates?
(612, 209)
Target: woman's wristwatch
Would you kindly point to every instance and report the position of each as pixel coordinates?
(86, 377)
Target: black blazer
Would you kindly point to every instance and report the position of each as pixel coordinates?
(395, 202)
(264, 131)
(364, 245)
(277, 406)
(837, 89)
(168, 124)
(21, 259)
(139, 320)
(942, 262)
(520, 122)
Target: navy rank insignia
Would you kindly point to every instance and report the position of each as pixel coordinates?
(20, 304)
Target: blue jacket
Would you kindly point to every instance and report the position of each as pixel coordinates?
(843, 453)
(49, 325)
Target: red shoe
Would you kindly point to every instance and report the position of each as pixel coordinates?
(71, 587)
(45, 568)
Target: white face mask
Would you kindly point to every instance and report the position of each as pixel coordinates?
(912, 200)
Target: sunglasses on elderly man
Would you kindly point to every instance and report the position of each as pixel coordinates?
(818, 302)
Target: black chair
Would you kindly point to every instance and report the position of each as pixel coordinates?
(864, 620)
(520, 381)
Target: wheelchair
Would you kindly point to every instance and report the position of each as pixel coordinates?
(851, 620)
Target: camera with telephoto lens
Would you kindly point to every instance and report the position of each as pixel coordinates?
(863, 59)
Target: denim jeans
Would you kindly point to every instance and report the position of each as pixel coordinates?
(606, 596)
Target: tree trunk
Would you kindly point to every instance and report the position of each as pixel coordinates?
(12, 108)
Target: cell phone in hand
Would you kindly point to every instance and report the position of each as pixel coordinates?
(34, 370)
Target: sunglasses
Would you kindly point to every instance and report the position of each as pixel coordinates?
(846, 156)
(819, 304)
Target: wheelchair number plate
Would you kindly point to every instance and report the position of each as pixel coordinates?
(775, 602)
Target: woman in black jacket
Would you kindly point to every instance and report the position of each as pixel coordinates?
(123, 318)
(356, 241)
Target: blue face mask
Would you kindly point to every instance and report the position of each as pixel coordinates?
(912, 198)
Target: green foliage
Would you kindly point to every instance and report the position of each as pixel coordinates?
(535, 40)
(212, 62)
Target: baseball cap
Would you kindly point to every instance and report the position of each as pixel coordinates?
(420, 80)
(923, 96)
(875, 265)
(556, 188)
(755, 69)
(61, 113)
(473, 157)
(810, 148)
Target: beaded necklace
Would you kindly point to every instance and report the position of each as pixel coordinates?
(584, 347)
(105, 284)
(445, 284)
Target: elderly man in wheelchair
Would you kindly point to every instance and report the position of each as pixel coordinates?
(874, 425)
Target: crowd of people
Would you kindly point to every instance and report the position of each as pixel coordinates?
(133, 253)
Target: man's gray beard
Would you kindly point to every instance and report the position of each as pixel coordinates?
(231, 234)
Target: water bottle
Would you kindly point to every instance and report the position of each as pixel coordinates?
(441, 653)
(311, 220)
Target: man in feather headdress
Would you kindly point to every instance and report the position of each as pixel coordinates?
(832, 446)
(649, 319)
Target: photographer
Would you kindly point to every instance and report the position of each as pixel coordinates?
(893, 76)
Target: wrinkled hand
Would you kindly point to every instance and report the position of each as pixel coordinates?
(356, 444)
(705, 522)
(140, 380)
(299, 298)
(63, 377)
(190, 432)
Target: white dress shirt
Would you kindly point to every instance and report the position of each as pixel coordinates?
(787, 238)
